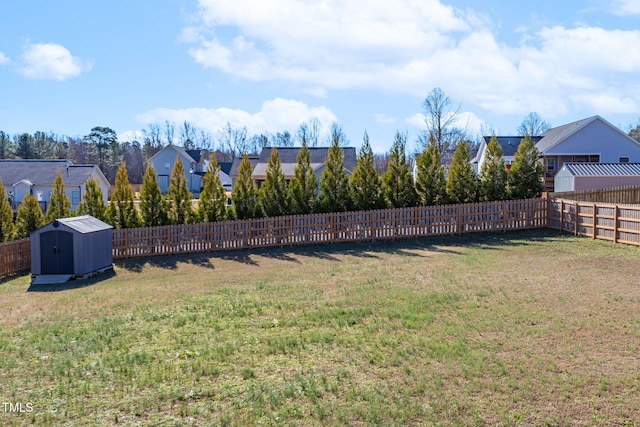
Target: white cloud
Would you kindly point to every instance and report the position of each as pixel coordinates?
(275, 115)
(51, 61)
(626, 7)
(4, 59)
(411, 46)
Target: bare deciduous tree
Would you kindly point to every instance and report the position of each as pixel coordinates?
(533, 125)
(440, 118)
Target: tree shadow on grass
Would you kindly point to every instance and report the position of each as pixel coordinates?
(412, 247)
(169, 262)
(74, 283)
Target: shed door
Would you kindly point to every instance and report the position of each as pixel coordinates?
(56, 252)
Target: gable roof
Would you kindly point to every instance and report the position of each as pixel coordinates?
(510, 144)
(557, 135)
(44, 172)
(289, 159)
(602, 169)
(181, 152)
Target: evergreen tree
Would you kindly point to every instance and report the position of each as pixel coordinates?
(493, 174)
(212, 205)
(122, 212)
(30, 216)
(303, 188)
(274, 197)
(179, 196)
(461, 183)
(525, 177)
(397, 183)
(430, 182)
(93, 200)
(59, 204)
(153, 206)
(334, 182)
(7, 228)
(245, 193)
(365, 185)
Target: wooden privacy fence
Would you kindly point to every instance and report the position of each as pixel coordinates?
(330, 228)
(617, 223)
(15, 257)
(621, 195)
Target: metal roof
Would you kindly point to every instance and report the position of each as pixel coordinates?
(602, 169)
(84, 224)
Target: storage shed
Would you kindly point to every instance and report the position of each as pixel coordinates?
(591, 176)
(70, 247)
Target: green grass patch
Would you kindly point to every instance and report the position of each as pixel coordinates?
(531, 328)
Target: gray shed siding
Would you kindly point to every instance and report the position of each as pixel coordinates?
(92, 251)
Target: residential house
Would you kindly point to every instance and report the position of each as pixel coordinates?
(289, 161)
(509, 145)
(591, 140)
(591, 176)
(36, 177)
(194, 162)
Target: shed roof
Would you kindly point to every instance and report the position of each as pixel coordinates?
(85, 224)
(602, 169)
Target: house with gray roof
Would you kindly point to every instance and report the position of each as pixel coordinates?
(36, 177)
(289, 160)
(591, 176)
(195, 164)
(509, 145)
(592, 140)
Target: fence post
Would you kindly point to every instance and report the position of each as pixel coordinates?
(577, 218)
(595, 221)
(504, 216)
(562, 215)
(615, 224)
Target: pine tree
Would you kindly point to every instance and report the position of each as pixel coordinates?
(212, 205)
(93, 200)
(153, 206)
(179, 196)
(430, 182)
(365, 185)
(397, 183)
(7, 228)
(245, 193)
(59, 204)
(122, 212)
(461, 183)
(30, 216)
(493, 174)
(334, 182)
(303, 188)
(525, 175)
(274, 197)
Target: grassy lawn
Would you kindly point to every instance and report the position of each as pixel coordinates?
(531, 328)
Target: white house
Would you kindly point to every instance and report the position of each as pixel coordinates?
(36, 177)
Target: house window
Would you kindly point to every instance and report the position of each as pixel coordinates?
(167, 166)
(591, 158)
(551, 163)
(39, 196)
(623, 160)
(75, 197)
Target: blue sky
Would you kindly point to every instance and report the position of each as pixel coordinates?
(69, 65)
